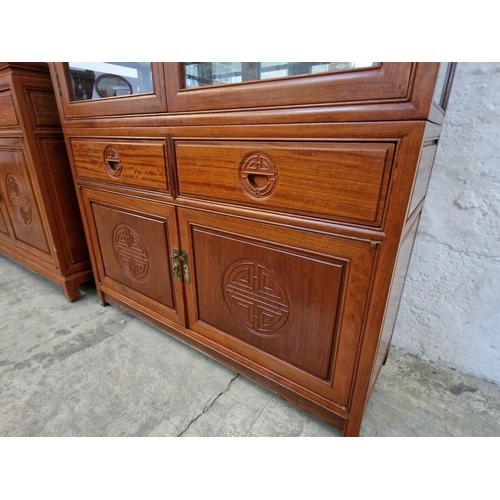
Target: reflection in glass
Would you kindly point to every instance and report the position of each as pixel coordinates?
(95, 80)
(200, 74)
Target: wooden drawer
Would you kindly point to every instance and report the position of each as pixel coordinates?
(343, 181)
(138, 163)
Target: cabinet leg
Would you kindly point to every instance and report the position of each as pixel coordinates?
(352, 427)
(100, 296)
(70, 290)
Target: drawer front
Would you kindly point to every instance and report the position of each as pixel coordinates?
(327, 180)
(8, 117)
(135, 163)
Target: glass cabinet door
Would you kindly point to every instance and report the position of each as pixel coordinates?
(205, 86)
(91, 80)
(110, 88)
(201, 74)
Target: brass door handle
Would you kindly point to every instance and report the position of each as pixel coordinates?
(185, 267)
(180, 266)
(176, 265)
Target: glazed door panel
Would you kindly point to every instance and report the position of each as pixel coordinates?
(285, 299)
(82, 96)
(377, 82)
(19, 199)
(133, 245)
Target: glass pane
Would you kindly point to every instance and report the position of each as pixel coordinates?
(95, 80)
(200, 74)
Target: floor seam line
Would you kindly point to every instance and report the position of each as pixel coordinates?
(208, 406)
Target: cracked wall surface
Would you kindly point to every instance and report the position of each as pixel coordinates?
(450, 309)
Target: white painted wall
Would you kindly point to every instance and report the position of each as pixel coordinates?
(450, 310)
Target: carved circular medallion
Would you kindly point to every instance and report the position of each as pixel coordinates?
(112, 161)
(255, 297)
(130, 252)
(19, 200)
(258, 175)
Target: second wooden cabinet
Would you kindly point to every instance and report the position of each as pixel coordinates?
(270, 230)
(40, 224)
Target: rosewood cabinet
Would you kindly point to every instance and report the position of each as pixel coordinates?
(263, 213)
(40, 224)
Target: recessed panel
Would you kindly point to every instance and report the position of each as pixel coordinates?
(19, 200)
(283, 303)
(43, 108)
(8, 117)
(135, 252)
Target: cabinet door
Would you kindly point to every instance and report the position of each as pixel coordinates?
(203, 86)
(287, 302)
(19, 200)
(132, 242)
(109, 88)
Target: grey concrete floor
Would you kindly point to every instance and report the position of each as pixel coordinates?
(85, 370)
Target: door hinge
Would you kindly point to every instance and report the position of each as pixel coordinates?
(374, 244)
(180, 266)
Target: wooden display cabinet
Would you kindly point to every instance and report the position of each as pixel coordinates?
(40, 224)
(263, 213)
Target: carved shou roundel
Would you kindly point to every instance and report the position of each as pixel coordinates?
(19, 200)
(130, 252)
(258, 175)
(255, 297)
(113, 161)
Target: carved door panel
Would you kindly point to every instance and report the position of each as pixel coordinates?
(19, 200)
(133, 242)
(286, 300)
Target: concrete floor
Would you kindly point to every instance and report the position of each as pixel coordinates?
(86, 370)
